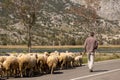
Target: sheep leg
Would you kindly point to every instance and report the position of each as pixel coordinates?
(38, 66)
(31, 73)
(25, 72)
(3, 73)
(21, 72)
(7, 74)
(21, 75)
(14, 72)
(46, 68)
(62, 65)
(77, 63)
(66, 64)
(72, 64)
(17, 71)
(52, 70)
(80, 62)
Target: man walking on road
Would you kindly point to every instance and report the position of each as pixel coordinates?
(90, 46)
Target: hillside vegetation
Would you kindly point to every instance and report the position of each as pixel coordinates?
(64, 22)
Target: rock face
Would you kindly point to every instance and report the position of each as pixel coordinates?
(65, 22)
(110, 9)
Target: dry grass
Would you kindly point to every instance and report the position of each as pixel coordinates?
(66, 46)
(24, 46)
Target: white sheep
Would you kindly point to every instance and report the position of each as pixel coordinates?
(78, 60)
(3, 58)
(42, 62)
(32, 64)
(70, 60)
(26, 62)
(23, 62)
(62, 60)
(10, 65)
(52, 62)
(1, 69)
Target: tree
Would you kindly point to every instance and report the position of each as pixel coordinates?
(25, 11)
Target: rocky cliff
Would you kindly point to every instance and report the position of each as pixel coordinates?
(65, 22)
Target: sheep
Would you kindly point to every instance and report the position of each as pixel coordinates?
(1, 69)
(3, 58)
(62, 60)
(66, 59)
(52, 62)
(32, 64)
(35, 56)
(78, 60)
(26, 62)
(70, 60)
(23, 62)
(13, 54)
(55, 53)
(10, 65)
(42, 62)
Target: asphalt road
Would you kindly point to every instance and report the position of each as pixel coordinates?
(104, 70)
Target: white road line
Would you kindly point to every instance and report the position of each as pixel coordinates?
(83, 77)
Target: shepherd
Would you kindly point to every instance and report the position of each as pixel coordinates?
(90, 45)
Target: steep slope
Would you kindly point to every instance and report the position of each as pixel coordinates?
(65, 22)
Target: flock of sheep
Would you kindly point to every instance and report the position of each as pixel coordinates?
(20, 64)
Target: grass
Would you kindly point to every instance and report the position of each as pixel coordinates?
(103, 57)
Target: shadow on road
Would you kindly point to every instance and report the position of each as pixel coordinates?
(3, 79)
(58, 73)
(100, 70)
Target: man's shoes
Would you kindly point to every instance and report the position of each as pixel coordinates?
(91, 70)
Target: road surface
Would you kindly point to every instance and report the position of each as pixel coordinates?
(104, 70)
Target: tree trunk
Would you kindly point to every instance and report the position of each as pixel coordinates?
(29, 39)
